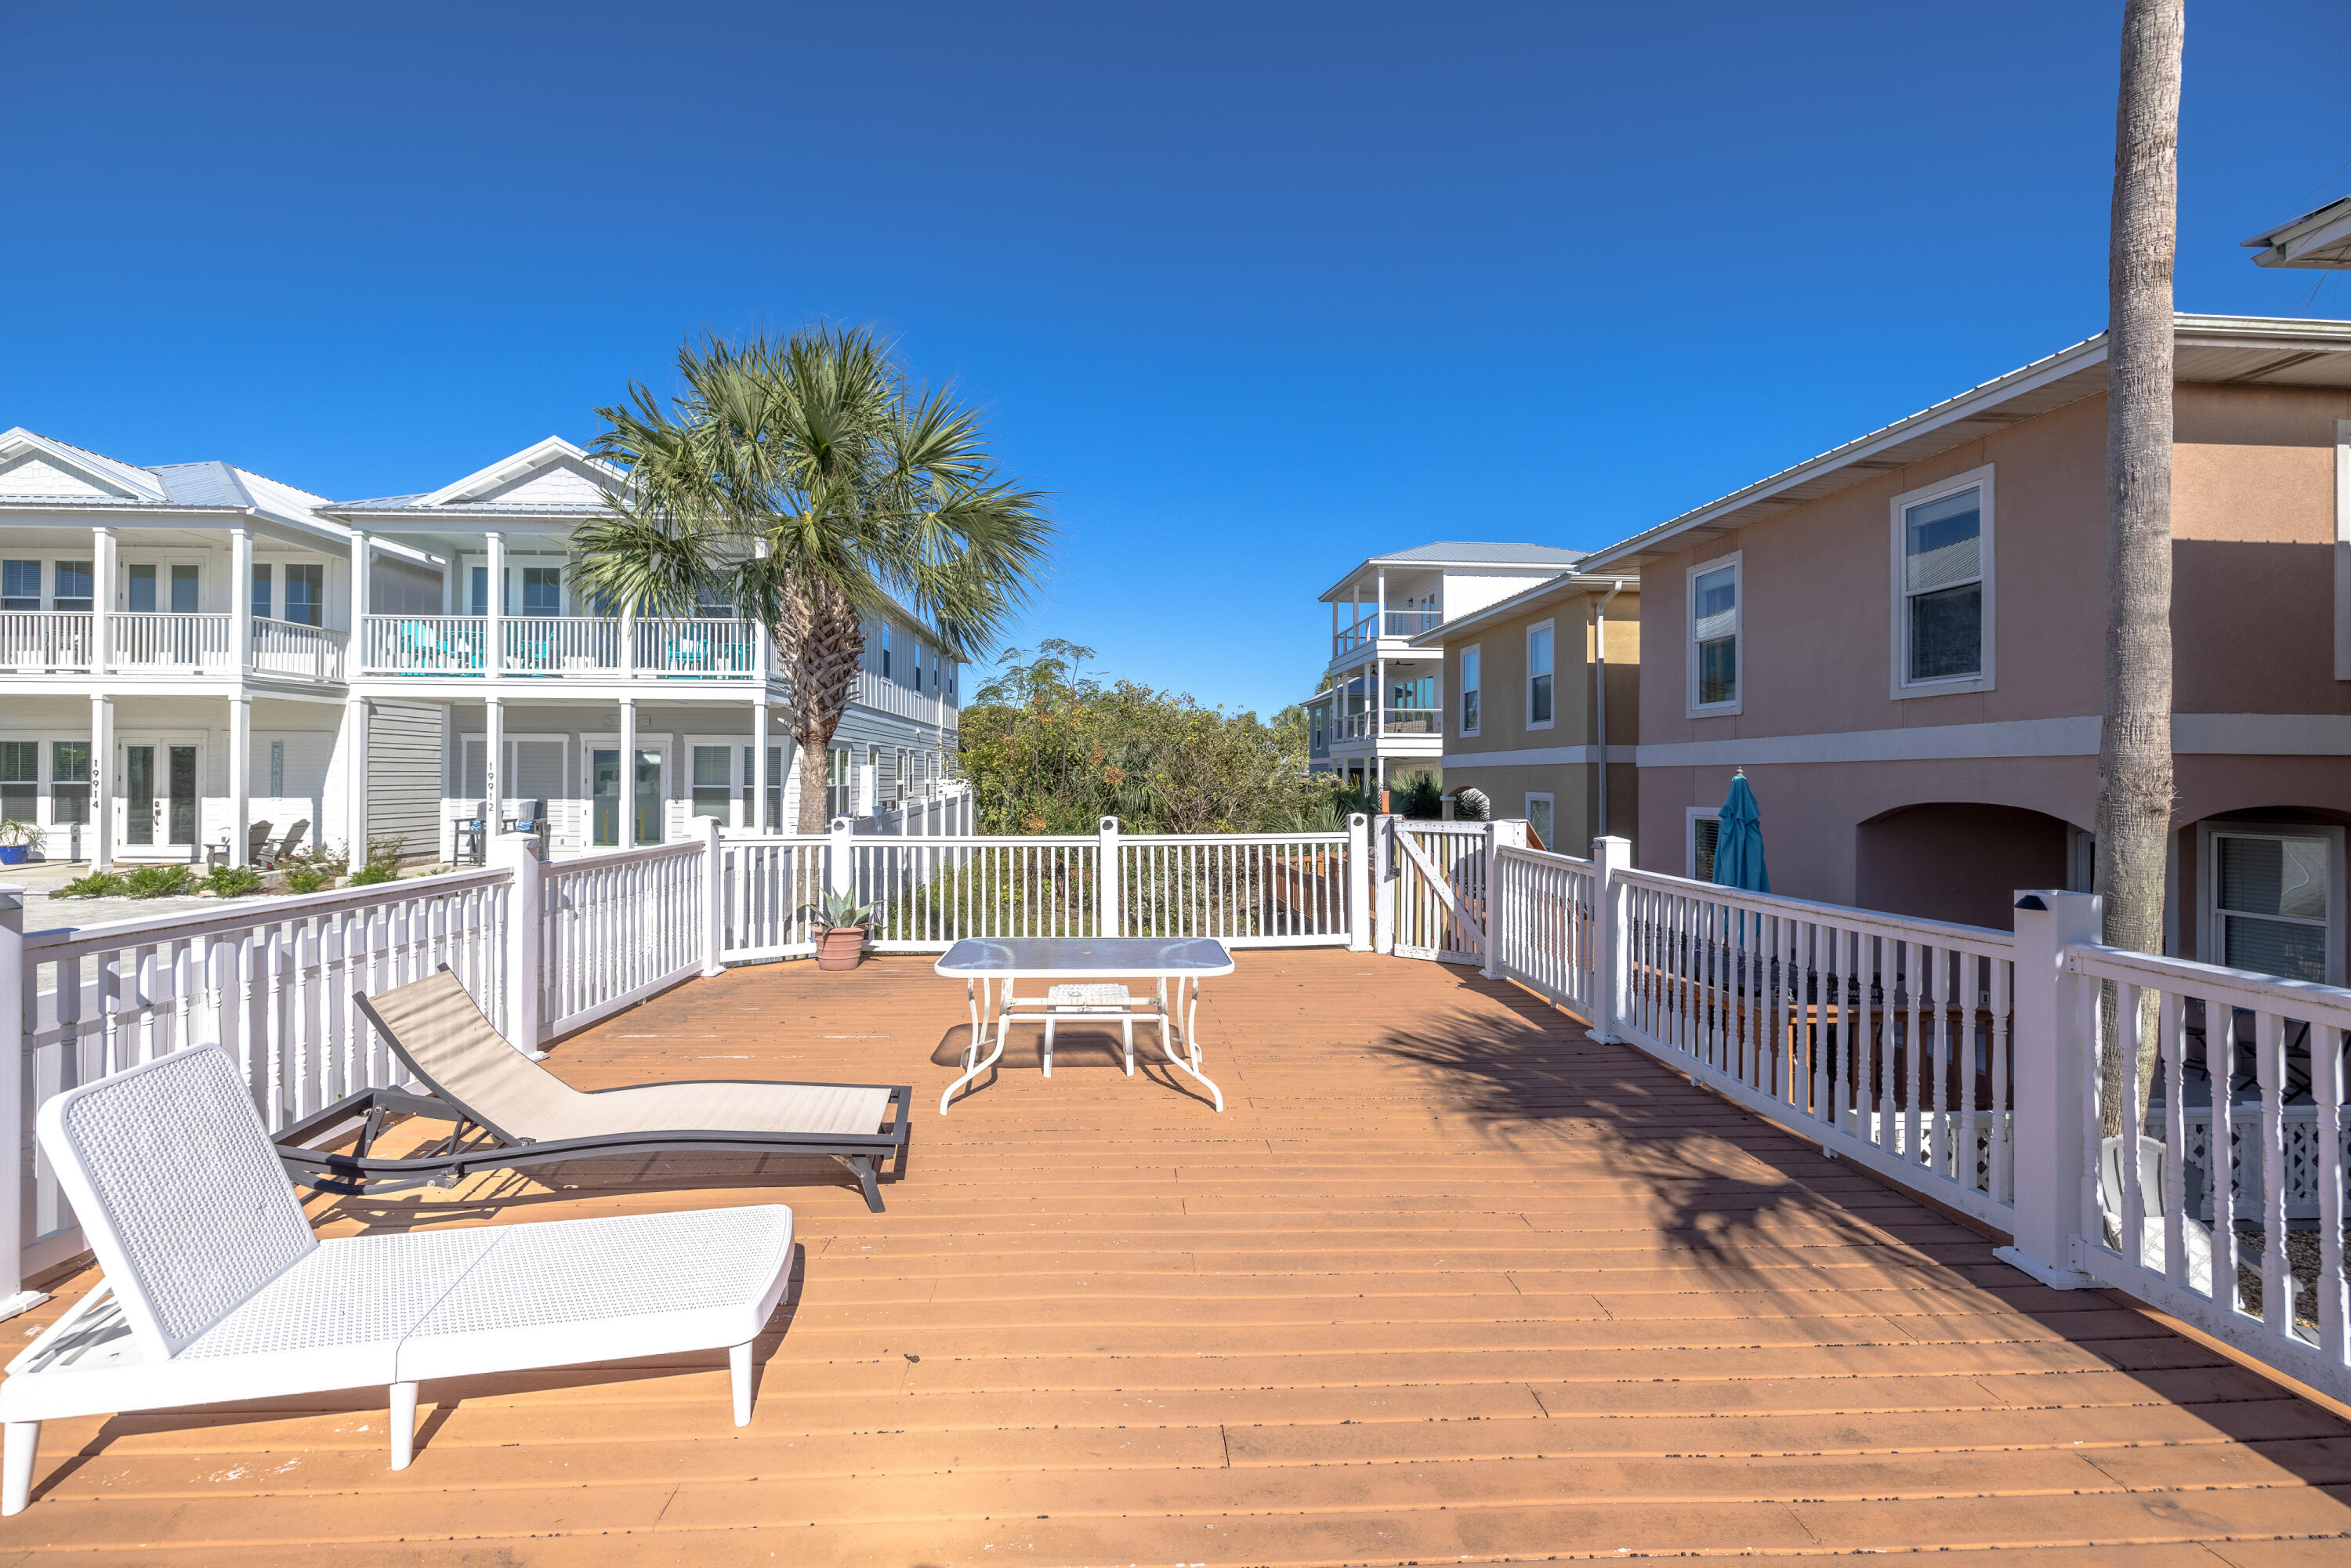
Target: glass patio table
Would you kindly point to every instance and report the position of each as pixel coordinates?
(995, 966)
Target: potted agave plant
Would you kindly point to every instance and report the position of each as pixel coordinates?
(841, 923)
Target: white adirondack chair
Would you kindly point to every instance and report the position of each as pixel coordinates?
(215, 1289)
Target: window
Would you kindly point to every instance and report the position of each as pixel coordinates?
(306, 594)
(2273, 900)
(184, 591)
(839, 785)
(20, 585)
(20, 779)
(773, 820)
(714, 784)
(143, 588)
(1472, 657)
(74, 591)
(1714, 636)
(542, 591)
(1317, 741)
(711, 602)
(481, 578)
(1704, 824)
(261, 593)
(277, 768)
(1539, 677)
(1942, 587)
(885, 651)
(1538, 818)
(68, 781)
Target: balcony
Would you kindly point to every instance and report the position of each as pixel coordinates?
(551, 646)
(1355, 638)
(153, 643)
(1396, 722)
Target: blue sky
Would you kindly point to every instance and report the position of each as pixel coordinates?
(1256, 290)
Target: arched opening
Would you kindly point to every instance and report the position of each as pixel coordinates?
(1961, 861)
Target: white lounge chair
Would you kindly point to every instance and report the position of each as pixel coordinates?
(214, 1288)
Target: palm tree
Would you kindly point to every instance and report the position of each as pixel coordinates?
(809, 482)
(2135, 780)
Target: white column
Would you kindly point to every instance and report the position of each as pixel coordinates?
(101, 778)
(1108, 916)
(713, 895)
(840, 859)
(759, 761)
(1380, 629)
(101, 588)
(362, 581)
(494, 756)
(14, 1139)
(1610, 858)
(1379, 694)
(240, 605)
(1384, 877)
(240, 776)
(2051, 1046)
(495, 663)
(627, 824)
(518, 855)
(355, 777)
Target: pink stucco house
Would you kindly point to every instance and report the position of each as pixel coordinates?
(1900, 644)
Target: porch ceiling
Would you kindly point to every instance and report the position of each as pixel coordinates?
(1099, 1322)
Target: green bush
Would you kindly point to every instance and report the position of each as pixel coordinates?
(96, 884)
(373, 872)
(312, 876)
(160, 882)
(230, 882)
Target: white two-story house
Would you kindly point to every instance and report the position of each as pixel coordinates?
(188, 652)
(1380, 716)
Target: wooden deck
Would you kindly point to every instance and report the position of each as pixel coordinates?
(1449, 1283)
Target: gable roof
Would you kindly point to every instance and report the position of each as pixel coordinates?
(2245, 350)
(32, 465)
(550, 478)
(38, 473)
(2319, 239)
(1543, 560)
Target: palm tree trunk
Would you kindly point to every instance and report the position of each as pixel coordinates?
(2134, 780)
(824, 638)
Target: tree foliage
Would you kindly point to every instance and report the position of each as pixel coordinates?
(1051, 748)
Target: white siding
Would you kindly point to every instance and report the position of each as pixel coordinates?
(405, 773)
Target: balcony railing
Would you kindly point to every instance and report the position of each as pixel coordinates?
(1395, 721)
(699, 650)
(157, 640)
(886, 696)
(43, 642)
(1395, 623)
(557, 645)
(290, 648)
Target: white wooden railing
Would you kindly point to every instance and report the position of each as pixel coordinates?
(561, 645)
(615, 928)
(289, 648)
(424, 644)
(904, 701)
(711, 650)
(35, 641)
(145, 641)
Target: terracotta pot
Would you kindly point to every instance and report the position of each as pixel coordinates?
(841, 948)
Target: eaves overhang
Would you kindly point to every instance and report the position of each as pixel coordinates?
(2315, 239)
(2225, 350)
(1558, 591)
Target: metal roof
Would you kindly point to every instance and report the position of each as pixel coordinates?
(2319, 239)
(1462, 552)
(210, 489)
(2248, 350)
(1551, 590)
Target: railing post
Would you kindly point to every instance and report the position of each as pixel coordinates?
(15, 1145)
(714, 897)
(1109, 918)
(1359, 883)
(518, 855)
(869, 789)
(1384, 880)
(1609, 858)
(1490, 937)
(839, 870)
(2050, 1061)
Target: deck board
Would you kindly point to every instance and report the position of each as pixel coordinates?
(1449, 1281)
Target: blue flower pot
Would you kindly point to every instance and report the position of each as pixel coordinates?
(14, 854)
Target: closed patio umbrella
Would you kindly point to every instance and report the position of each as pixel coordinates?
(1739, 842)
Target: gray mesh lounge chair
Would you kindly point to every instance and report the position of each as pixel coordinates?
(510, 1111)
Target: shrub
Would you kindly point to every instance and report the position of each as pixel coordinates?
(230, 882)
(312, 876)
(160, 882)
(373, 872)
(96, 884)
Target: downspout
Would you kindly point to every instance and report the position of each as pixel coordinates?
(1600, 691)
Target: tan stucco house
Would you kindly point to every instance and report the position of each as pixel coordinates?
(1900, 642)
(1529, 684)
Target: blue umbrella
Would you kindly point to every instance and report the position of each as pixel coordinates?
(1739, 842)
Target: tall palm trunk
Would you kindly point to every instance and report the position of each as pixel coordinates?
(2135, 781)
(823, 639)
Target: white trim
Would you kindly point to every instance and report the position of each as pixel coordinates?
(1980, 479)
(1474, 654)
(2192, 735)
(1736, 561)
(1691, 817)
(1536, 757)
(1549, 629)
(2342, 550)
(2210, 942)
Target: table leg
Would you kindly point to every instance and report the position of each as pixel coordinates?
(1191, 1043)
(980, 1065)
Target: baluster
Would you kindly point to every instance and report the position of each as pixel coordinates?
(2133, 1218)
(2326, 1091)
(2001, 1179)
(1937, 1044)
(2269, 1062)
(2220, 1156)
(2171, 1025)
(1915, 983)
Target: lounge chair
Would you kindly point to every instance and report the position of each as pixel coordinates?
(510, 1111)
(215, 1289)
(289, 844)
(256, 845)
